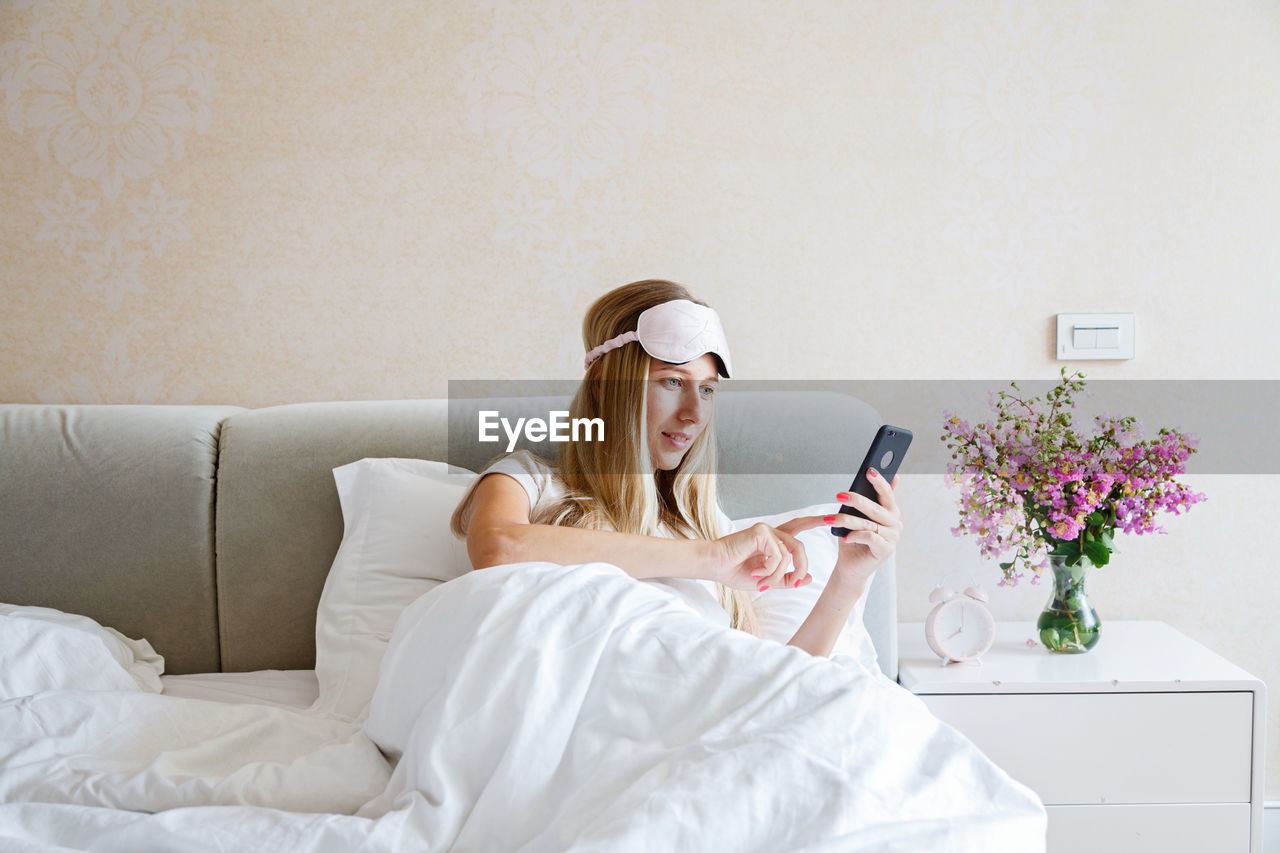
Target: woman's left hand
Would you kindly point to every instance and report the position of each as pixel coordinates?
(873, 539)
(868, 543)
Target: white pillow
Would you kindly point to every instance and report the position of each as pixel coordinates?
(46, 649)
(782, 611)
(396, 546)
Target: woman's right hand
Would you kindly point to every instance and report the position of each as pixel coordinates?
(760, 557)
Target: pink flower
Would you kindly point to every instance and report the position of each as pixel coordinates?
(1028, 480)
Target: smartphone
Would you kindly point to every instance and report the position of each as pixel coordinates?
(887, 451)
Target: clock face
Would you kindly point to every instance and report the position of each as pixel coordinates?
(960, 629)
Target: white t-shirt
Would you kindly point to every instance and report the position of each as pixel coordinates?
(543, 486)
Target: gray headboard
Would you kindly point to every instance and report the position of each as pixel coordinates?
(209, 530)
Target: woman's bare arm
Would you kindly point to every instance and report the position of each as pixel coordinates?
(872, 540)
(499, 532)
(818, 633)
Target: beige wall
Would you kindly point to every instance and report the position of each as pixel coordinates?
(268, 202)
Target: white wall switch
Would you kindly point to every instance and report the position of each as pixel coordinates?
(1109, 338)
(1095, 336)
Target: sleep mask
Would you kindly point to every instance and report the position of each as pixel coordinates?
(677, 331)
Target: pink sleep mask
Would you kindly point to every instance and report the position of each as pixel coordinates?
(677, 331)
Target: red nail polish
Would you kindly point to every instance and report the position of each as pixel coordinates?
(798, 583)
(843, 496)
(763, 588)
(829, 518)
(871, 472)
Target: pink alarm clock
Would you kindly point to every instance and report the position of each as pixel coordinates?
(960, 627)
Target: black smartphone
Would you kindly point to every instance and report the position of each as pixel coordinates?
(887, 451)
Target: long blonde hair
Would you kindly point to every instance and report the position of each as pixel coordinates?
(603, 490)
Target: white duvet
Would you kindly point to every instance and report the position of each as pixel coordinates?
(530, 707)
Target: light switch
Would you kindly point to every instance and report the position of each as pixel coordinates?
(1109, 338)
(1095, 336)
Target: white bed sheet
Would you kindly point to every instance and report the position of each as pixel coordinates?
(532, 707)
(281, 688)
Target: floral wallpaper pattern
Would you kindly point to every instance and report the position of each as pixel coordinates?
(109, 95)
(258, 202)
(112, 95)
(568, 93)
(1018, 98)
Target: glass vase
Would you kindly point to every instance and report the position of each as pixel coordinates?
(1069, 624)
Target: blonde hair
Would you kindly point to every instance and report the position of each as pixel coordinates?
(603, 490)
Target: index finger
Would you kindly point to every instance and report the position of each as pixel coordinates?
(802, 522)
(883, 489)
(799, 558)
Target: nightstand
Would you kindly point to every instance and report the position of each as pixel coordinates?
(1148, 742)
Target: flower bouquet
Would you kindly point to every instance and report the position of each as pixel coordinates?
(1033, 486)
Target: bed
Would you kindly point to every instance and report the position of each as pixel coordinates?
(335, 679)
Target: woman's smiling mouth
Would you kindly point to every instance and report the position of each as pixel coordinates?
(677, 439)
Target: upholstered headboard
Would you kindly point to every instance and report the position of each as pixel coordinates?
(210, 530)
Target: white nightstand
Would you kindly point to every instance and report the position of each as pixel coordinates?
(1148, 742)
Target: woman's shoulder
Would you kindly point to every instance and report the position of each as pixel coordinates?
(523, 460)
(534, 472)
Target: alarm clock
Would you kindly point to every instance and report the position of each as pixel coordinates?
(960, 627)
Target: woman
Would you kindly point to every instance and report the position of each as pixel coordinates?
(644, 497)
